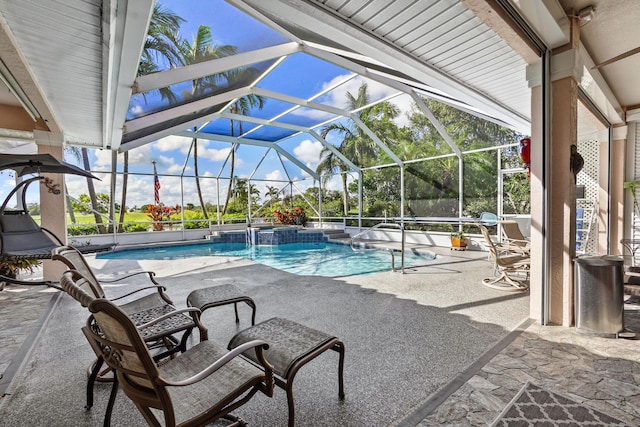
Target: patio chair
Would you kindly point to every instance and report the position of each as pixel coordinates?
(197, 387)
(512, 267)
(514, 237)
(81, 284)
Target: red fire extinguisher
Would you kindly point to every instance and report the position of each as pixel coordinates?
(525, 153)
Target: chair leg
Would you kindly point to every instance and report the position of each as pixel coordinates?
(505, 283)
(339, 347)
(112, 401)
(235, 308)
(91, 381)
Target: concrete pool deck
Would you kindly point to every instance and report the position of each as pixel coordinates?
(428, 347)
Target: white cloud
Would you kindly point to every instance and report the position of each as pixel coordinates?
(103, 159)
(140, 155)
(308, 151)
(275, 175)
(173, 142)
(215, 155)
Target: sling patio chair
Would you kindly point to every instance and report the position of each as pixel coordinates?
(512, 267)
(513, 237)
(81, 284)
(196, 387)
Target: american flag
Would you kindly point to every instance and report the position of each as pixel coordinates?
(156, 184)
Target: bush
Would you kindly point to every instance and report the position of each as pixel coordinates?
(82, 230)
(189, 216)
(295, 217)
(132, 228)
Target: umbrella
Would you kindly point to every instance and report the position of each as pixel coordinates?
(25, 164)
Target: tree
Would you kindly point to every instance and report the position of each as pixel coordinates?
(161, 45)
(356, 145)
(125, 174)
(202, 49)
(273, 194)
(241, 106)
(92, 192)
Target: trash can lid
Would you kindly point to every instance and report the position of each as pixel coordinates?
(599, 260)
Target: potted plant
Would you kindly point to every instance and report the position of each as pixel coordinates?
(459, 241)
(632, 187)
(11, 267)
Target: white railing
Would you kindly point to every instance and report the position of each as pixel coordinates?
(389, 249)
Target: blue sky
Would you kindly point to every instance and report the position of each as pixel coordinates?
(300, 75)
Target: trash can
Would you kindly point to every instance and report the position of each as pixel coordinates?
(599, 295)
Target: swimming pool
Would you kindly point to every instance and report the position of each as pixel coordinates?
(312, 259)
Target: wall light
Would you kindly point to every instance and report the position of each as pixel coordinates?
(586, 13)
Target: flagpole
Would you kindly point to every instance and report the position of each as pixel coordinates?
(156, 184)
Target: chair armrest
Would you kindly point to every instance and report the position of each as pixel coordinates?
(259, 345)
(159, 288)
(518, 241)
(151, 275)
(168, 315)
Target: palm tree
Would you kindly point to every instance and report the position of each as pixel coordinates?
(356, 144)
(161, 44)
(329, 166)
(202, 49)
(272, 193)
(241, 106)
(92, 192)
(123, 208)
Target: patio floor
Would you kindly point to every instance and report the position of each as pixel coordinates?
(428, 347)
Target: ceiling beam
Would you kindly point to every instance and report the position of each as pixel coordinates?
(215, 66)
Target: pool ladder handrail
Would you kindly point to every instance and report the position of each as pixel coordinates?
(399, 226)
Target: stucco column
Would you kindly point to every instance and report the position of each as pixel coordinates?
(613, 165)
(561, 201)
(52, 211)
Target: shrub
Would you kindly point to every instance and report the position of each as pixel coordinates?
(82, 230)
(132, 228)
(297, 216)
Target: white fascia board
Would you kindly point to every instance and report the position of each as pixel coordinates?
(125, 28)
(548, 20)
(309, 16)
(214, 66)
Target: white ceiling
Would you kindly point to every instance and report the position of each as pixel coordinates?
(76, 59)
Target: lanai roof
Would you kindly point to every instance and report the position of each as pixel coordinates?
(72, 64)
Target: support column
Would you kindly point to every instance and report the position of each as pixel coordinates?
(612, 165)
(561, 203)
(52, 211)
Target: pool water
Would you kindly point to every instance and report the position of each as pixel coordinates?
(312, 259)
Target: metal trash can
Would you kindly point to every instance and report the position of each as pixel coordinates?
(599, 295)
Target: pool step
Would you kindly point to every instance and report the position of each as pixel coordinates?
(335, 233)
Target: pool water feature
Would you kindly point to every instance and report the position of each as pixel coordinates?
(309, 258)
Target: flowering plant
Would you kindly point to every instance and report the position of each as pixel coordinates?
(296, 216)
(160, 215)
